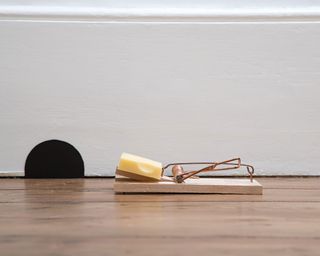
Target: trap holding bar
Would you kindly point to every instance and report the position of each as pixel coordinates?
(179, 175)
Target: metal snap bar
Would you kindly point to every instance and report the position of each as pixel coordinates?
(179, 175)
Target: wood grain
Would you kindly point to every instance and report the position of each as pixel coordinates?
(85, 217)
(190, 186)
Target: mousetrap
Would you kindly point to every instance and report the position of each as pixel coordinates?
(135, 174)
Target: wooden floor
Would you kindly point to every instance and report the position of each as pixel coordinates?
(84, 217)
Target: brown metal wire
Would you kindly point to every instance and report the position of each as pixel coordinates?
(231, 164)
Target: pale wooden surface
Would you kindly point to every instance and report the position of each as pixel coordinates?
(85, 217)
(201, 185)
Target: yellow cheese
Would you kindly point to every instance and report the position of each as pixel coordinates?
(139, 168)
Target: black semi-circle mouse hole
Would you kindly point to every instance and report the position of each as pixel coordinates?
(54, 159)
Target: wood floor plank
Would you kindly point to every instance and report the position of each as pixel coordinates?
(106, 183)
(166, 246)
(107, 195)
(162, 219)
(85, 217)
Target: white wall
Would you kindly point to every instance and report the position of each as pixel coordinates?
(185, 86)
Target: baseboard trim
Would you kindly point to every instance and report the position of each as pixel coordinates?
(105, 14)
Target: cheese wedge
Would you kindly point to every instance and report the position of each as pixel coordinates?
(139, 168)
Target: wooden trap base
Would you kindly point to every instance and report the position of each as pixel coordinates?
(201, 186)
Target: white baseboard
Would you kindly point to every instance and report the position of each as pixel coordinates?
(173, 84)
